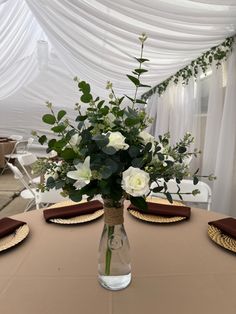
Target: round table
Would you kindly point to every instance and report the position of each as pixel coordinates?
(176, 269)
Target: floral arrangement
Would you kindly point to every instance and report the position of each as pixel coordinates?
(107, 151)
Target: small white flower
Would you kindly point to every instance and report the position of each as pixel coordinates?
(110, 118)
(74, 141)
(48, 174)
(117, 141)
(161, 150)
(135, 181)
(52, 154)
(168, 158)
(82, 174)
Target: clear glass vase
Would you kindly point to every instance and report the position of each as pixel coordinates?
(114, 268)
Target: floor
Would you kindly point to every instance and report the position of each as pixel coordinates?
(11, 202)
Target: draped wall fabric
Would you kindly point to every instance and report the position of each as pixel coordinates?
(225, 168)
(97, 40)
(179, 110)
(19, 33)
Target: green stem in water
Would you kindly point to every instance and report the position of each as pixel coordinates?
(108, 251)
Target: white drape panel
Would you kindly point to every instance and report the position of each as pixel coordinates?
(22, 112)
(19, 32)
(225, 186)
(176, 111)
(213, 122)
(179, 111)
(96, 39)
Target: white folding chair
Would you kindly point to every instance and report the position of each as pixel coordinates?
(21, 147)
(28, 192)
(36, 197)
(16, 138)
(187, 186)
(27, 160)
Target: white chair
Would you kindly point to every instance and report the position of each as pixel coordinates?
(36, 197)
(21, 147)
(28, 193)
(187, 186)
(27, 160)
(16, 138)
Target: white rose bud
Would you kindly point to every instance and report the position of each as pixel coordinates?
(117, 141)
(135, 182)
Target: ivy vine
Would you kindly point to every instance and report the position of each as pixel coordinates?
(199, 65)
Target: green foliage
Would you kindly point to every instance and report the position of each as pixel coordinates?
(199, 65)
(86, 144)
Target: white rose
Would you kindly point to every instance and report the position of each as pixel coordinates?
(117, 141)
(146, 137)
(135, 181)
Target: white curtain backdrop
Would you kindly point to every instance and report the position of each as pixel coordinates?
(19, 33)
(224, 187)
(179, 110)
(97, 39)
(176, 111)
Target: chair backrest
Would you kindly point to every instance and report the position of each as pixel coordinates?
(19, 175)
(21, 147)
(187, 186)
(30, 140)
(16, 137)
(50, 197)
(27, 159)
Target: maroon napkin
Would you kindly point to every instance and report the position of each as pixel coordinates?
(226, 225)
(164, 210)
(72, 210)
(9, 225)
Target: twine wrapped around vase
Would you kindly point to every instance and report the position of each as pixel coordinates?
(113, 215)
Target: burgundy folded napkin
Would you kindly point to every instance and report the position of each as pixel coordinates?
(72, 210)
(167, 210)
(226, 225)
(9, 225)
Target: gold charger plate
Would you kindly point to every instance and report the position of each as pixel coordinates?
(221, 239)
(77, 219)
(155, 218)
(14, 238)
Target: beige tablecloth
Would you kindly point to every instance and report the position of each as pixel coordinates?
(176, 269)
(5, 148)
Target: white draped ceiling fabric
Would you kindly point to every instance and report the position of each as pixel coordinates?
(97, 41)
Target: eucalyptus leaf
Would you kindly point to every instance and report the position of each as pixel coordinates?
(59, 128)
(61, 114)
(49, 119)
(42, 139)
(86, 98)
(134, 80)
(139, 202)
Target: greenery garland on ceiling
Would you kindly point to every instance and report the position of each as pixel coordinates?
(199, 65)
